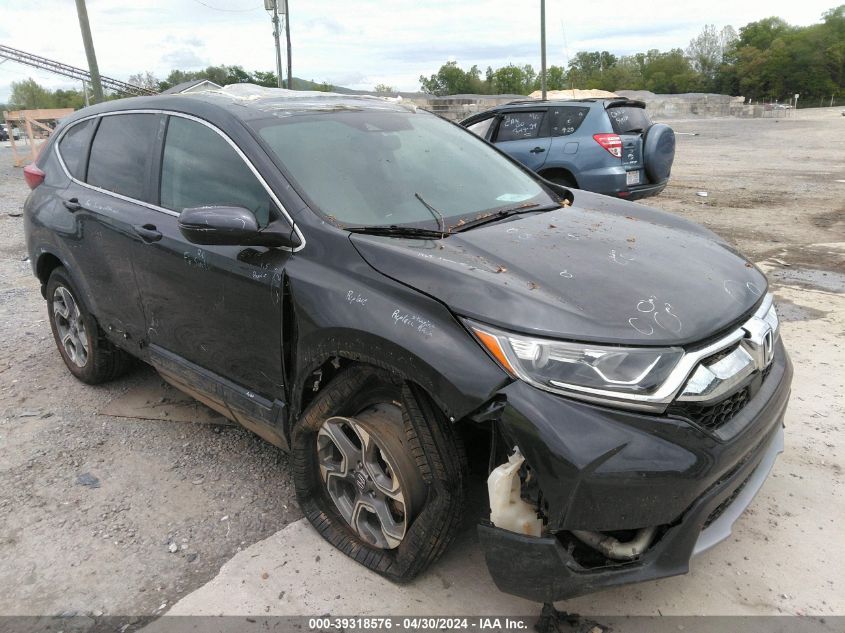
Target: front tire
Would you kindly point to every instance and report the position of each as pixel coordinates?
(379, 472)
(84, 348)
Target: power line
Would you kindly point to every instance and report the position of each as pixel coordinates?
(208, 6)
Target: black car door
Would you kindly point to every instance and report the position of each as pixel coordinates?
(105, 199)
(213, 312)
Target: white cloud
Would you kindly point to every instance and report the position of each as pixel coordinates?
(363, 43)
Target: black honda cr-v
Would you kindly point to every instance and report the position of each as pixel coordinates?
(365, 284)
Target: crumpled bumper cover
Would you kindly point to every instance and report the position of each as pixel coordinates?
(601, 469)
(541, 569)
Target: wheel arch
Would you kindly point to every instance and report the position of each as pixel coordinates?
(558, 170)
(336, 350)
(46, 263)
(48, 260)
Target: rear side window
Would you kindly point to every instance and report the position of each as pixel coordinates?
(566, 120)
(74, 147)
(199, 168)
(628, 119)
(121, 152)
(519, 125)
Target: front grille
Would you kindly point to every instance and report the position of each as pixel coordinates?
(715, 415)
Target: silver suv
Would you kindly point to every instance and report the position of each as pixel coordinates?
(609, 146)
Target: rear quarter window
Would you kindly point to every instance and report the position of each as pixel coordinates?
(74, 147)
(566, 120)
(628, 119)
(121, 152)
(481, 128)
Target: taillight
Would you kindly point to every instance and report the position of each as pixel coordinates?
(611, 142)
(33, 175)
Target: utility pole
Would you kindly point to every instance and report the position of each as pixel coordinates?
(97, 87)
(273, 5)
(543, 48)
(287, 36)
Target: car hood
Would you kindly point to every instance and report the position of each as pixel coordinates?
(599, 270)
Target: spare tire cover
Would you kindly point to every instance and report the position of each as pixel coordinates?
(659, 152)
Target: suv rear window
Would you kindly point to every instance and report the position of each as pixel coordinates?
(628, 119)
(519, 125)
(74, 147)
(121, 152)
(567, 119)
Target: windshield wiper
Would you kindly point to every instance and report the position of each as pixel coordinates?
(397, 231)
(437, 215)
(463, 225)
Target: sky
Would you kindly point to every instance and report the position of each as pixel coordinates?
(359, 44)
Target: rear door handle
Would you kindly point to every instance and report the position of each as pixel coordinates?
(72, 205)
(148, 232)
(537, 150)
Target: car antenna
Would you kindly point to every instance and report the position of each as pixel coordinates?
(441, 222)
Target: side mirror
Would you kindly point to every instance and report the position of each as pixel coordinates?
(233, 226)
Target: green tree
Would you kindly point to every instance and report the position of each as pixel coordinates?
(556, 78)
(591, 69)
(68, 99)
(29, 95)
(452, 80)
(384, 89)
(268, 79)
(509, 79)
(706, 52)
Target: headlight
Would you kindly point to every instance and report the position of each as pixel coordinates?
(582, 368)
(771, 318)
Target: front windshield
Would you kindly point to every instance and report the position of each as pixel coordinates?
(370, 168)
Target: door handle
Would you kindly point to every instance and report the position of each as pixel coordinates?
(72, 204)
(148, 232)
(537, 150)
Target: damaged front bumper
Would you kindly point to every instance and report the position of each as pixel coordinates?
(634, 472)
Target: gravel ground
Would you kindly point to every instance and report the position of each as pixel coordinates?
(202, 489)
(92, 505)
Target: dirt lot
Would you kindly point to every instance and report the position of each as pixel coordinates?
(92, 503)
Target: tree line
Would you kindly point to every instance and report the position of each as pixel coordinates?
(767, 60)
(29, 94)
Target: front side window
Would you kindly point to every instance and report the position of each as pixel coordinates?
(371, 167)
(199, 168)
(74, 147)
(121, 152)
(516, 126)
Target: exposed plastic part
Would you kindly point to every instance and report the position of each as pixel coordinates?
(507, 509)
(614, 548)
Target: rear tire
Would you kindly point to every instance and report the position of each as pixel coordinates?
(564, 180)
(419, 445)
(84, 348)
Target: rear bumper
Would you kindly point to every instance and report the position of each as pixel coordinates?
(542, 569)
(642, 191)
(612, 181)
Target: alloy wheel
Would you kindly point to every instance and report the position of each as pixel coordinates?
(70, 326)
(361, 476)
